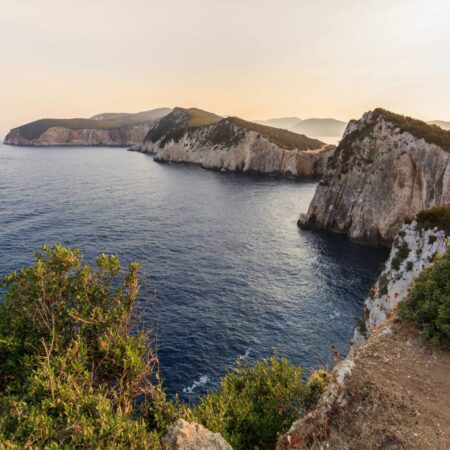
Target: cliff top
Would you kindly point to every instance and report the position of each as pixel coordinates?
(438, 216)
(431, 133)
(107, 121)
(226, 131)
(174, 125)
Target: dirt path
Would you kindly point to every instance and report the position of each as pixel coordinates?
(397, 397)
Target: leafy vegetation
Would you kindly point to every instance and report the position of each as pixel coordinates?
(438, 216)
(73, 375)
(254, 405)
(428, 303)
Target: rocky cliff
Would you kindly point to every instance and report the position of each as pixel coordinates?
(108, 129)
(385, 168)
(412, 251)
(62, 136)
(233, 144)
(390, 391)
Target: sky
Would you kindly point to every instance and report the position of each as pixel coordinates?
(249, 58)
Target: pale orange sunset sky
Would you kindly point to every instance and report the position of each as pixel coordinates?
(254, 59)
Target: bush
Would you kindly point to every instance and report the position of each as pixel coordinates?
(395, 263)
(70, 371)
(438, 216)
(403, 251)
(255, 405)
(428, 304)
(72, 375)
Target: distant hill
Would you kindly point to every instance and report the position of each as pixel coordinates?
(285, 123)
(109, 129)
(309, 127)
(152, 114)
(441, 123)
(320, 127)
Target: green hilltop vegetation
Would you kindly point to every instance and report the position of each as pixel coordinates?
(438, 216)
(73, 374)
(110, 121)
(432, 134)
(229, 131)
(181, 120)
(350, 145)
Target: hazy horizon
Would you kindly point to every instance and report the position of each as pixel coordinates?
(256, 60)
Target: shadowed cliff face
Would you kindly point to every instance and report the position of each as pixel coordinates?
(379, 175)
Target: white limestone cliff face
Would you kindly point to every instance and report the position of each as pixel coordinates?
(412, 251)
(251, 153)
(60, 136)
(377, 177)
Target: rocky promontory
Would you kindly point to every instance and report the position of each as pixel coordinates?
(232, 144)
(108, 129)
(387, 167)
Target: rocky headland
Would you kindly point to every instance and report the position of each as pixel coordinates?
(387, 167)
(107, 129)
(232, 144)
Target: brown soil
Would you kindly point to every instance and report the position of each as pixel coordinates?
(397, 397)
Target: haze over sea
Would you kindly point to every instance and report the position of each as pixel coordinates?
(225, 271)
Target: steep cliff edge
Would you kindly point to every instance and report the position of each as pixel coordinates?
(385, 168)
(108, 129)
(232, 144)
(391, 392)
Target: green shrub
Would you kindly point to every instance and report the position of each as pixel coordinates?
(428, 304)
(403, 251)
(255, 405)
(60, 408)
(438, 216)
(383, 284)
(395, 263)
(70, 371)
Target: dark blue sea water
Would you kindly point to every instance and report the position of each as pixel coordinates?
(232, 274)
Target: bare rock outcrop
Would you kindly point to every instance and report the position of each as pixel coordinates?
(184, 435)
(386, 167)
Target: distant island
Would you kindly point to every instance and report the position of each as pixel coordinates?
(106, 129)
(310, 127)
